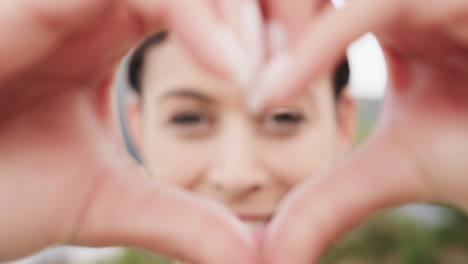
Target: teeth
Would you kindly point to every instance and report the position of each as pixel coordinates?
(254, 225)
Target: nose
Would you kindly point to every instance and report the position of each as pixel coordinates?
(236, 173)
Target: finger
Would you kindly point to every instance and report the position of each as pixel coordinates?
(294, 15)
(42, 23)
(317, 213)
(210, 41)
(245, 18)
(289, 75)
(196, 23)
(253, 36)
(135, 211)
(224, 37)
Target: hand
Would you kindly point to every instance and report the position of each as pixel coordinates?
(417, 151)
(313, 38)
(65, 177)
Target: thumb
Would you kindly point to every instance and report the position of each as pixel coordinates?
(377, 176)
(139, 212)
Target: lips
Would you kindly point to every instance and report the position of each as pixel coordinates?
(254, 218)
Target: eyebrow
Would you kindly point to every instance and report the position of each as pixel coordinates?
(186, 93)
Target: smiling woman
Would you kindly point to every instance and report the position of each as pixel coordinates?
(194, 131)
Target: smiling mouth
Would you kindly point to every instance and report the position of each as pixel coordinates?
(254, 218)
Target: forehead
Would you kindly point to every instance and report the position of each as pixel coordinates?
(168, 65)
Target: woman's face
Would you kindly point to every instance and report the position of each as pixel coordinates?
(194, 131)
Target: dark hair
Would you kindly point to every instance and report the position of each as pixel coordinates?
(340, 78)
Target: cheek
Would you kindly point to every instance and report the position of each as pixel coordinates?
(294, 160)
(173, 162)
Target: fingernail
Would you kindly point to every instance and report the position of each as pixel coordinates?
(269, 80)
(253, 32)
(277, 36)
(339, 3)
(235, 55)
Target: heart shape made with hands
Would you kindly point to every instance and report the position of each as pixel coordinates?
(57, 123)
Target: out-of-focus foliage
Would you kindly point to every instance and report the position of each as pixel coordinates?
(134, 256)
(395, 239)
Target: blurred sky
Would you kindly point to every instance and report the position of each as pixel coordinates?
(368, 71)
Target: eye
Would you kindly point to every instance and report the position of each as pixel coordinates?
(191, 123)
(187, 119)
(286, 117)
(283, 121)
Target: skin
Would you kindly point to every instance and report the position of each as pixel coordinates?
(221, 152)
